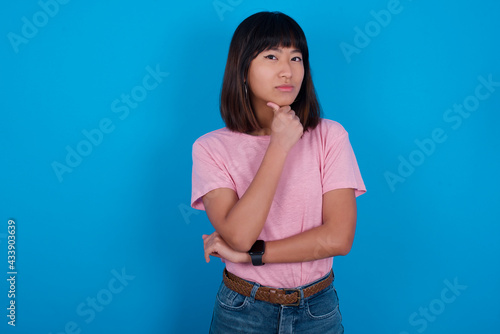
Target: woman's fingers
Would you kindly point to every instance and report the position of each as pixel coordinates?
(284, 109)
(209, 245)
(214, 245)
(273, 105)
(206, 240)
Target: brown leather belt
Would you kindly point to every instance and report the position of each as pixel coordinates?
(286, 297)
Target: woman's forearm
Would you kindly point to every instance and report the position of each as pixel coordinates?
(315, 244)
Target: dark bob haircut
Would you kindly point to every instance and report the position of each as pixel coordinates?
(257, 33)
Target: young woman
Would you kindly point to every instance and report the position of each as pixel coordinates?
(279, 185)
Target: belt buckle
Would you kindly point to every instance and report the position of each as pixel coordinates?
(298, 297)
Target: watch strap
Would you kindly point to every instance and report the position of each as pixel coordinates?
(257, 259)
(256, 252)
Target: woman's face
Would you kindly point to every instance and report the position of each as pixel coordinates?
(275, 75)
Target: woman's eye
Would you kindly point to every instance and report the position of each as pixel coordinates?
(271, 57)
(297, 59)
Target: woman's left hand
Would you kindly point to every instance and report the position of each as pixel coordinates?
(216, 246)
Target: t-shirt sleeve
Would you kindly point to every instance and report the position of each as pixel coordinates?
(209, 173)
(340, 166)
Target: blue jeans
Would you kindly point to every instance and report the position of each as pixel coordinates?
(235, 313)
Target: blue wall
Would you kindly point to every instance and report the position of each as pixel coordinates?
(101, 102)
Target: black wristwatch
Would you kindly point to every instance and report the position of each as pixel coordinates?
(257, 251)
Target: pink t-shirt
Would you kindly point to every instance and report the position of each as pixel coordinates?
(322, 160)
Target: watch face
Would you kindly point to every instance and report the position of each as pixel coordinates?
(258, 247)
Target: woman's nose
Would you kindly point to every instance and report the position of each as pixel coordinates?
(286, 70)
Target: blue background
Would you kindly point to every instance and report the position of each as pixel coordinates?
(124, 207)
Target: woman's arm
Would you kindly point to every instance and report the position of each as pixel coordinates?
(334, 237)
(240, 221)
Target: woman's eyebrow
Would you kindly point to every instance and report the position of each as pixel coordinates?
(280, 50)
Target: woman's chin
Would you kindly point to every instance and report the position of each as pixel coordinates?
(284, 101)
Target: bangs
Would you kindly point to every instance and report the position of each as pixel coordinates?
(276, 30)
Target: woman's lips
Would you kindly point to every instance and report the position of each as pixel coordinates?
(285, 88)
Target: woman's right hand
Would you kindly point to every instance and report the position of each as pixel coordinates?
(286, 128)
